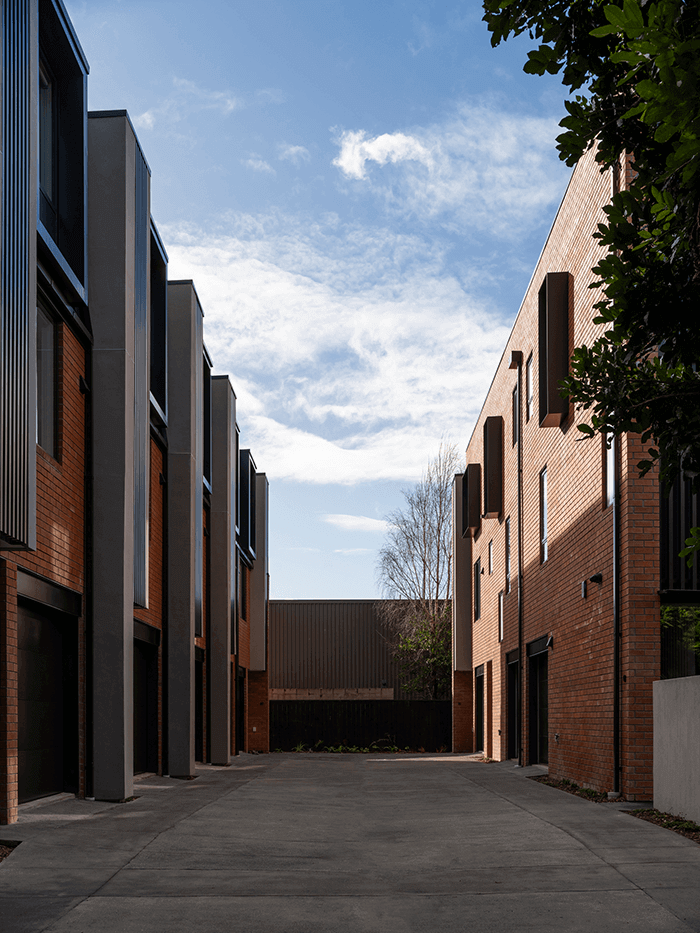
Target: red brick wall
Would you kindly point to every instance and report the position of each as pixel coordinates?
(59, 555)
(258, 711)
(462, 713)
(580, 674)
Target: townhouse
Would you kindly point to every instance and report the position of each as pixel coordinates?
(125, 646)
(566, 560)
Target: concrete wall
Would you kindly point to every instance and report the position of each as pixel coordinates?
(223, 583)
(111, 264)
(185, 348)
(677, 746)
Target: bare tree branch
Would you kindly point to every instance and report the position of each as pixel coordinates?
(414, 569)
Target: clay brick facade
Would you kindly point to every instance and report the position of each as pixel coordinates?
(540, 586)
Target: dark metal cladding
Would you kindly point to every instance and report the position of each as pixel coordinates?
(141, 382)
(330, 644)
(17, 317)
(680, 511)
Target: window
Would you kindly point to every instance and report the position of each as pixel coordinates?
(508, 555)
(45, 383)
(544, 553)
(516, 414)
(609, 469)
(47, 148)
(553, 359)
(477, 590)
(62, 145)
(529, 391)
(493, 466)
(500, 616)
(490, 557)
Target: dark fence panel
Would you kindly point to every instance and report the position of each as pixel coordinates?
(407, 723)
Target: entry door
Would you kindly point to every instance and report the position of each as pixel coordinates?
(479, 709)
(240, 710)
(513, 687)
(199, 710)
(47, 656)
(538, 719)
(145, 707)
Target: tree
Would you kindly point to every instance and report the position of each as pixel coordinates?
(415, 574)
(634, 71)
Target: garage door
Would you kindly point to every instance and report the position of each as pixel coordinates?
(47, 701)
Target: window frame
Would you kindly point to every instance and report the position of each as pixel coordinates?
(477, 589)
(529, 388)
(544, 516)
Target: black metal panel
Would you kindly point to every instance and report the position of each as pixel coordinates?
(553, 347)
(493, 466)
(49, 593)
(142, 433)
(17, 318)
(410, 724)
(206, 419)
(146, 633)
(471, 499)
(679, 513)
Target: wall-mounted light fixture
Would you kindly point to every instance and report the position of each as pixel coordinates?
(596, 578)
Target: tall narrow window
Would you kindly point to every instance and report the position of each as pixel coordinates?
(516, 414)
(500, 616)
(47, 146)
(477, 590)
(609, 449)
(45, 383)
(508, 555)
(544, 553)
(490, 557)
(529, 391)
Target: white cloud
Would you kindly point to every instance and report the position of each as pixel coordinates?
(480, 169)
(258, 165)
(187, 98)
(353, 351)
(352, 551)
(295, 154)
(356, 522)
(356, 150)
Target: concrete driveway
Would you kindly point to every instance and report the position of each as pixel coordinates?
(305, 843)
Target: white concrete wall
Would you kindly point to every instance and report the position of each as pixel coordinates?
(677, 746)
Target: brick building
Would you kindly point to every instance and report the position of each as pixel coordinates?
(560, 571)
(119, 624)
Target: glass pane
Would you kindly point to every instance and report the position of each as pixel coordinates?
(46, 133)
(45, 382)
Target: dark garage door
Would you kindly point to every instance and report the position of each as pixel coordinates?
(48, 702)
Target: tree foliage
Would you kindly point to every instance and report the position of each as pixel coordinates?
(634, 74)
(415, 574)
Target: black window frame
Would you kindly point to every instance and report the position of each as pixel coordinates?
(544, 516)
(477, 589)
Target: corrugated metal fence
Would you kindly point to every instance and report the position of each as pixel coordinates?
(334, 653)
(334, 644)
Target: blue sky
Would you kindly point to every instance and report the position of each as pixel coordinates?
(360, 191)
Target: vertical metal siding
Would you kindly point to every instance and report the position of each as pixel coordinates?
(329, 644)
(141, 382)
(679, 513)
(17, 318)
